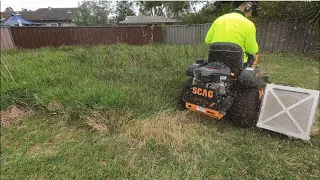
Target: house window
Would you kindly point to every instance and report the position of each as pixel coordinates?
(59, 24)
(54, 24)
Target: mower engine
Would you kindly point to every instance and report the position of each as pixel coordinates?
(223, 86)
(214, 76)
(209, 88)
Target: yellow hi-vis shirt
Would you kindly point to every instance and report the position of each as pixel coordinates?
(235, 28)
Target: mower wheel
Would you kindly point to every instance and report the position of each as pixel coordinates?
(244, 110)
(186, 86)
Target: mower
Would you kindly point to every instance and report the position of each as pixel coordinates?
(222, 88)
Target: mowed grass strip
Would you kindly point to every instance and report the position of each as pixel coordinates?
(110, 112)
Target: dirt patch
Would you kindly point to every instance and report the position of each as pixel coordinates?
(14, 115)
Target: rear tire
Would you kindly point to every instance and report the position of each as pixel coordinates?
(244, 110)
(186, 86)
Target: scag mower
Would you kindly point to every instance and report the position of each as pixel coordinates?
(222, 88)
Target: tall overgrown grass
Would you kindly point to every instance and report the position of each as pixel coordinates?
(145, 78)
(110, 112)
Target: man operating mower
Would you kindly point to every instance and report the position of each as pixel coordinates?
(236, 28)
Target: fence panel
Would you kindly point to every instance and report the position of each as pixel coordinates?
(272, 36)
(186, 34)
(35, 37)
(6, 38)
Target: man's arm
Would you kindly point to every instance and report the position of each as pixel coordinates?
(209, 36)
(250, 41)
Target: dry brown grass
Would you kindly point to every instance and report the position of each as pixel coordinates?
(94, 121)
(55, 106)
(37, 150)
(13, 115)
(107, 123)
(173, 130)
(316, 126)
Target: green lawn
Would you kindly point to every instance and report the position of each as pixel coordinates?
(109, 112)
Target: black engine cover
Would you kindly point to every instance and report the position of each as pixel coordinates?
(212, 72)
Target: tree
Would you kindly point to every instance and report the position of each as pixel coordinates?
(173, 9)
(208, 13)
(92, 13)
(177, 8)
(281, 10)
(8, 9)
(313, 16)
(123, 9)
(151, 8)
(298, 10)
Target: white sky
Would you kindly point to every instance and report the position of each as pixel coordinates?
(17, 5)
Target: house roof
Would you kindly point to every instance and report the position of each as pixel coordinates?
(44, 14)
(147, 20)
(17, 20)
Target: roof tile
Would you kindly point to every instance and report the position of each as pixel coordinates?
(44, 14)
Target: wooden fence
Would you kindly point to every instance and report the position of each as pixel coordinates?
(285, 36)
(272, 36)
(35, 37)
(6, 39)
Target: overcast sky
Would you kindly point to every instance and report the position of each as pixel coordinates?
(35, 4)
(17, 5)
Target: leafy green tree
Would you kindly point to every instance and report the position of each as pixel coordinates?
(124, 9)
(173, 9)
(151, 8)
(92, 13)
(208, 13)
(313, 16)
(8, 9)
(298, 10)
(281, 10)
(176, 9)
